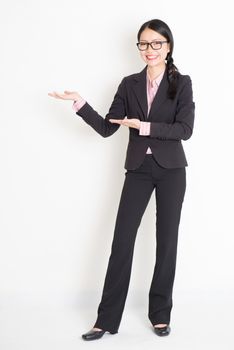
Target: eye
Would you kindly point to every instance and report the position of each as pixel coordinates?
(142, 44)
(156, 44)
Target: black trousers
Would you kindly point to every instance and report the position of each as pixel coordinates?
(169, 186)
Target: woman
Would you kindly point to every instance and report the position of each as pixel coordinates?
(157, 106)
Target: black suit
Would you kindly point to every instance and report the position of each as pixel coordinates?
(171, 121)
(164, 172)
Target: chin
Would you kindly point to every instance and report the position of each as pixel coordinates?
(151, 64)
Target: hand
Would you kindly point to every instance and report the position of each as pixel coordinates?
(131, 123)
(68, 95)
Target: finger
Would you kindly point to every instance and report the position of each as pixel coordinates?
(114, 121)
(60, 95)
(53, 94)
(126, 123)
(57, 93)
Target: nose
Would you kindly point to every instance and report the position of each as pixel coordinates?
(149, 51)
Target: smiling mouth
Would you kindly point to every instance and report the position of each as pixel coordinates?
(151, 57)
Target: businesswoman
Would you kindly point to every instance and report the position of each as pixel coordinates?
(157, 106)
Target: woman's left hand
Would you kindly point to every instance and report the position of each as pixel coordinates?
(131, 123)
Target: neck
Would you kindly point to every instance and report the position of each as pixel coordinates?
(155, 71)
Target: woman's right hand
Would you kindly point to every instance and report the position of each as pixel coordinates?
(68, 95)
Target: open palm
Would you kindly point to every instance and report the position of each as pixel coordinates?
(68, 95)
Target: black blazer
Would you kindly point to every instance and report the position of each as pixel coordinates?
(171, 120)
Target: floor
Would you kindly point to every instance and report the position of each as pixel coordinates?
(198, 322)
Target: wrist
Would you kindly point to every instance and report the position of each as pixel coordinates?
(78, 104)
(144, 128)
(77, 98)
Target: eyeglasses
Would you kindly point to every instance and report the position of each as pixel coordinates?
(155, 45)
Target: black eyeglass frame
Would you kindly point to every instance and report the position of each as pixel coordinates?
(156, 41)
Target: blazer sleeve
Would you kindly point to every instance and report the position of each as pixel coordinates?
(116, 111)
(182, 128)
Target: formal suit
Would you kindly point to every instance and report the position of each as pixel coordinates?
(171, 120)
(162, 171)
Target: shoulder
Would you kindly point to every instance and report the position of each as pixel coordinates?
(128, 80)
(184, 82)
(184, 87)
(133, 76)
(183, 78)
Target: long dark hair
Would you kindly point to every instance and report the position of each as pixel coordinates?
(163, 29)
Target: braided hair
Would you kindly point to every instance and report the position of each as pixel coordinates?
(172, 76)
(172, 71)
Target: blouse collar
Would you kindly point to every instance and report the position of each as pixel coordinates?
(155, 81)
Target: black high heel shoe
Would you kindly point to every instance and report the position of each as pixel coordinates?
(162, 331)
(93, 334)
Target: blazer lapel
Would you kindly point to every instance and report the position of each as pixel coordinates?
(160, 97)
(141, 93)
(139, 89)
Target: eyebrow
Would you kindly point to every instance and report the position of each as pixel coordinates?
(152, 40)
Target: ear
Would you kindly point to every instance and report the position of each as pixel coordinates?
(168, 47)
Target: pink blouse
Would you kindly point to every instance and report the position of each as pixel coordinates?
(152, 88)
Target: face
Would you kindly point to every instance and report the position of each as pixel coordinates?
(150, 56)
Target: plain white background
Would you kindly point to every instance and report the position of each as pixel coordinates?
(61, 181)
